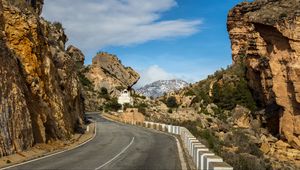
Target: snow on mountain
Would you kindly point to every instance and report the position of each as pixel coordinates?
(158, 88)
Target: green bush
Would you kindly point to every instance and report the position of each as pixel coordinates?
(113, 105)
(190, 92)
(170, 110)
(127, 105)
(171, 102)
(104, 93)
(135, 95)
(84, 81)
(120, 88)
(58, 25)
(212, 142)
(228, 95)
(142, 107)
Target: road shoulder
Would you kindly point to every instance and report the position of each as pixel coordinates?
(185, 164)
(41, 151)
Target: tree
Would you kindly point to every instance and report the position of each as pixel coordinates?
(113, 105)
(171, 102)
(104, 93)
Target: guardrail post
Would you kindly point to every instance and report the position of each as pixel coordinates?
(202, 157)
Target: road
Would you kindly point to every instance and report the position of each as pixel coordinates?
(117, 147)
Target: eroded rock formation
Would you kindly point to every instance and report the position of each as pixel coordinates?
(40, 96)
(265, 35)
(107, 72)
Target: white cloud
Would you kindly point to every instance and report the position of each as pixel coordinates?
(152, 74)
(94, 24)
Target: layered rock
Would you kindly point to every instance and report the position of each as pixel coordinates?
(265, 35)
(109, 73)
(40, 94)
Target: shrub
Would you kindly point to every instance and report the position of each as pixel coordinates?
(113, 105)
(135, 95)
(120, 88)
(58, 25)
(127, 105)
(213, 142)
(84, 81)
(170, 110)
(104, 93)
(171, 102)
(190, 92)
(283, 15)
(233, 91)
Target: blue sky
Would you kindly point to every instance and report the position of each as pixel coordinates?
(165, 39)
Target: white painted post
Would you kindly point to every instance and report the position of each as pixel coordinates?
(188, 142)
(196, 145)
(219, 166)
(200, 161)
(211, 158)
(196, 155)
(169, 128)
(191, 142)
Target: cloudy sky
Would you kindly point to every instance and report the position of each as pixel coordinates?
(161, 39)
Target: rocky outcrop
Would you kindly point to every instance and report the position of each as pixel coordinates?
(265, 35)
(77, 56)
(106, 72)
(40, 96)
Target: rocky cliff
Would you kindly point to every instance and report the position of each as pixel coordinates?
(265, 35)
(106, 73)
(40, 96)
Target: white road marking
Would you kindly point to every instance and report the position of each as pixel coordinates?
(33, 160)
(115, 157)
(180, 153)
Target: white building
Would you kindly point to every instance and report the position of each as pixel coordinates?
(125, 98)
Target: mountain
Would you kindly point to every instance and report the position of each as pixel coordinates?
(158, 88)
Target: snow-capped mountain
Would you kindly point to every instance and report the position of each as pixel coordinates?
(158, 88)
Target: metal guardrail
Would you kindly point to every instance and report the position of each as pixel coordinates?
(203, 158)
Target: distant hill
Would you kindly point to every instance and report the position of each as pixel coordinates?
(158, 88)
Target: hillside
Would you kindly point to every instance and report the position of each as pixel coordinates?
(248, 112)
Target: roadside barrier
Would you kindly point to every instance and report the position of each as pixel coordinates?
(203, 158)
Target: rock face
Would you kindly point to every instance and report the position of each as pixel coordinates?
(106, 72)
(265, 35)
(40, 96)
(158, 88)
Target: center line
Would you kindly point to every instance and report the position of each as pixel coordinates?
(108, 162)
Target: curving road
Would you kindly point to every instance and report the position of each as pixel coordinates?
(117, 147)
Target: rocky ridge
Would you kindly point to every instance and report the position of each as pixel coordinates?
(40, 94)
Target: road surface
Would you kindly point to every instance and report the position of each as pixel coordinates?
(116, 147)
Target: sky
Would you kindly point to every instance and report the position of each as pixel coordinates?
(160, 39)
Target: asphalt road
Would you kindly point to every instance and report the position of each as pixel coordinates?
(117, 147)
